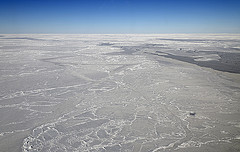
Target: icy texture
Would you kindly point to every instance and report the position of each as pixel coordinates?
(125, 93)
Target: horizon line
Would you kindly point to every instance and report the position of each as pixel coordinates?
(117, 33)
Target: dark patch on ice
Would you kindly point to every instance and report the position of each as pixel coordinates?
(105, 44)
(198, 40)
(192, 113)
(153, 45)
(236, 49)
(127, 50)
(229, 62)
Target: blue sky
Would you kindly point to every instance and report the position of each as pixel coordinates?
(119, 16)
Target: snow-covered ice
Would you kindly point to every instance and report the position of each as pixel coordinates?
(120, 92)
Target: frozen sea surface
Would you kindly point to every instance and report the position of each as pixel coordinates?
(120, 93)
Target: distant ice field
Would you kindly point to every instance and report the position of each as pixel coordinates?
(120, 93)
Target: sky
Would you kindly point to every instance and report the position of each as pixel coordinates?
(119, 16)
